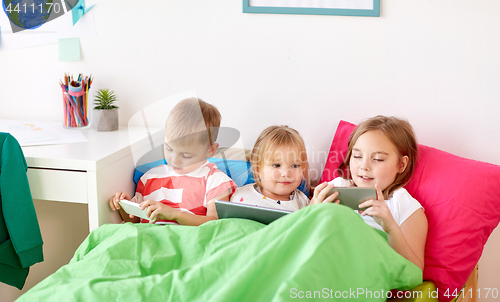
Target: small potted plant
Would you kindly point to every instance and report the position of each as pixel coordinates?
(105, 112)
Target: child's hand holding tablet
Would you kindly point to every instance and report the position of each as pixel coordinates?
(133, 208)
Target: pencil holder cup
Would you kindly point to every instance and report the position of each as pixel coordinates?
(75, 105)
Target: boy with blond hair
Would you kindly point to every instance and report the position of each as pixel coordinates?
(185, 189)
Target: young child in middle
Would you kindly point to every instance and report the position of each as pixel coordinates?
(183, 191)
(279, 165)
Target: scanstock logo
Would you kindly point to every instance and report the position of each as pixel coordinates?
(31, 14)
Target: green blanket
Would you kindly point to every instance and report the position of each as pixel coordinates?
(324, 251)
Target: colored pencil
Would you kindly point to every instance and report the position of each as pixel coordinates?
(75, 103)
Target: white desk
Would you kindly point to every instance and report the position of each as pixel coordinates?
(90, 172)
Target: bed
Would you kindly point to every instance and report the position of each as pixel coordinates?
(319, 252)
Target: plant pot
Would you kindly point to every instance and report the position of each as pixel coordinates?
(106, 119)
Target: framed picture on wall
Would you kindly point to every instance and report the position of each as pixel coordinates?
(364, 8)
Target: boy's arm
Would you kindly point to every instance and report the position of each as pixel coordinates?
(195, 220)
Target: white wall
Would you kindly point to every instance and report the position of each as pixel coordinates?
(435, 62)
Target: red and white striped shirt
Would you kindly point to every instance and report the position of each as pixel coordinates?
(188, 192)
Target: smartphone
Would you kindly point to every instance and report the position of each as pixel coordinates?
(133, 208)
(352, 197)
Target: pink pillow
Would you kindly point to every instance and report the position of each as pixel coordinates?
(460, 197)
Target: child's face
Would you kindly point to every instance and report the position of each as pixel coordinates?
(186, 158)
(281, 174)
(375, 160)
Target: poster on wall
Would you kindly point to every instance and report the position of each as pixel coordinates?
(26, 23)
(365, 8)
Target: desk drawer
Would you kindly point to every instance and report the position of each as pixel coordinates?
(58, 185)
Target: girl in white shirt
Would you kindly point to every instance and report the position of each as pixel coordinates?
(382, 153)
(279, 165)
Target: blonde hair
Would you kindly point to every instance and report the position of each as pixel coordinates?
(269, 140)
(400, 133)
(193, 120)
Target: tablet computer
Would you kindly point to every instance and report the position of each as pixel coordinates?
(227, 209)
(353, 196)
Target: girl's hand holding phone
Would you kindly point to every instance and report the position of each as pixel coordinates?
(379, 210)
(321, 192)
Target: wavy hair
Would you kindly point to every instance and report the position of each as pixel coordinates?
(400, 133)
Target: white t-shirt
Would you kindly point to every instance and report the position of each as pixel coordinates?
(401, 204)
(250, 194)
